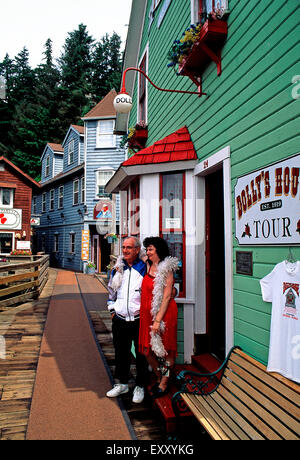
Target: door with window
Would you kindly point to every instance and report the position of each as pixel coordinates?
(6, 243)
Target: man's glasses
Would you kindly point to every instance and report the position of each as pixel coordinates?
(128, 247)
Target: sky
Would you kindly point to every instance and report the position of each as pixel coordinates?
(30, 23)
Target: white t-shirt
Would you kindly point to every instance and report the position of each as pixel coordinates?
(282, 288)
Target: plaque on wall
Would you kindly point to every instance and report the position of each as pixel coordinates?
(244, 263)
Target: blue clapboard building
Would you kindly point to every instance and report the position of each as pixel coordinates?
(72, 213)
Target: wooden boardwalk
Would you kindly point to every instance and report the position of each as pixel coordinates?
(21, 330)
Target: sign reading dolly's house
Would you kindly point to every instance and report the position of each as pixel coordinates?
(267, 205)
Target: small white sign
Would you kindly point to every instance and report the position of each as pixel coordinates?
(35, 221)
(267, 205)
(174, 223)
(23, 245)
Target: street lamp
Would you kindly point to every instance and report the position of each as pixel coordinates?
(123, 102)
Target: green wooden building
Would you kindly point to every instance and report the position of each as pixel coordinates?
(208, 178)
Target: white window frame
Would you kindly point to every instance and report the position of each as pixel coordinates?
(51, 199)
(60, 197)
(145, 54)
(11, 197)
(105, 138)
(82, 189)
(75, 192)
(47, 166)
(72, 241)
(34, 205)
(102, 183)
(71, 149)
(44, 197)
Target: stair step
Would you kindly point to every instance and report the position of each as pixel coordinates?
(204, 363)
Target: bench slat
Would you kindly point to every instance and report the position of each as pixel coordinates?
(241, 424)
(290, 390)
(261, 403)
(252, 411)
(204, 417)
(282, 408)
(228, 425)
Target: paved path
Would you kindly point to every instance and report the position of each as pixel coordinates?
(69, 401)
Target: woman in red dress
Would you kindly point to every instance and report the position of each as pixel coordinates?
(158, 313)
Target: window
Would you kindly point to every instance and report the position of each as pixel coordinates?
(82, 190)
(47, 167)
(135, 207)
(105, 136)
(71, 152)
(76, 191)
(56, 239)
(142, 109)
(202, 7)
(6, 197)
(34, 205)
(6, 243)
(44, 202)
(72, 243)
(51, 202)
(61, 197)
(103, 176)
(172, 220)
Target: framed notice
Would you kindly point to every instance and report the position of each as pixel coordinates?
(267, 205)
(244, 263)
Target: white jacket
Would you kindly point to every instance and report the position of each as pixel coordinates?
(125, 289)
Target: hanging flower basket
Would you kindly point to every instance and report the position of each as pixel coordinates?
(138, 136)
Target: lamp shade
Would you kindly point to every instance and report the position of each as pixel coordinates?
(123, 103)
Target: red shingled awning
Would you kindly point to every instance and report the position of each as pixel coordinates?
(178, 146)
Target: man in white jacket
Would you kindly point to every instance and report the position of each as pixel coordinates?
(124, 305)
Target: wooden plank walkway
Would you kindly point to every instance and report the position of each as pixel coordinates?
(21, 331)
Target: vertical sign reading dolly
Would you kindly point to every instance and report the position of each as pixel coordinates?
(85, 244)
(267, 205)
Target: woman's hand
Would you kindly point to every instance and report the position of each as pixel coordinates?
(156, 327)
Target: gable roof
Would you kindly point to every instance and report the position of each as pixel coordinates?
(104, 108)
(175, 152)
(19, 171)
(56, 148)
(178, 146)
(78, 130)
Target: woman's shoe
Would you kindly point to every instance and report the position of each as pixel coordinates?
(158, 392)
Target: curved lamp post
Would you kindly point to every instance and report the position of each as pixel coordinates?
(123, 102)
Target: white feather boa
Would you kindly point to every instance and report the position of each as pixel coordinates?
(169, 264)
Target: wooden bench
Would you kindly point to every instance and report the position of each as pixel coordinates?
(241, 401)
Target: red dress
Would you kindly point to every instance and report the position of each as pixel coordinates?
(169, 336)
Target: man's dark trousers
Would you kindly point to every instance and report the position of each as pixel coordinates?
(124, 333)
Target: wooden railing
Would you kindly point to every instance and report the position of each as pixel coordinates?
(22, 281)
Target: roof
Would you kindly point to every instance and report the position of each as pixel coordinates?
(62, 175)
(175, 152)
(78, 128)
(175, 147)
(55, 147)
(19, 171)
(104, 108)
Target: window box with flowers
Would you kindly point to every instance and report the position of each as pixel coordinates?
(200, 44)
(137, 137)
(90, 268)
(111, 238)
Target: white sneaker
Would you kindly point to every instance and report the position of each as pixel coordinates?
(138, 395)
(118, 389)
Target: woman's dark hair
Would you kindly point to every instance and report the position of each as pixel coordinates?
(160, 245)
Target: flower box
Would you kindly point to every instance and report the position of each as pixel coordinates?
(139, 139)
(205, 49)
